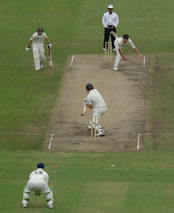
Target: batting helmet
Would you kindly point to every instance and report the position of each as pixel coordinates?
(89, 87)
(40, 165)
(40, 29)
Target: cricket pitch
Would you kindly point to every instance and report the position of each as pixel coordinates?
(124, 94)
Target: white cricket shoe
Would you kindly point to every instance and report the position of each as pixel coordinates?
(115, 68)
(24, 203)
(50, 204)
(101, 132)
(104, 49)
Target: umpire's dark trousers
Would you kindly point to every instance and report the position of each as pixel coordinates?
(106, 36)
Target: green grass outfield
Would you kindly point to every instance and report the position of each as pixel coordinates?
(87, 182)
(83, 182)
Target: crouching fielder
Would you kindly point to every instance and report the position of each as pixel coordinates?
(119, 43)
(37, 40)
(38, 183)
(95, 102)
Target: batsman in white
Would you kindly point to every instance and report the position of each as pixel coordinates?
(94, 101)
(37, 40)
(38, 183)
(119, 43)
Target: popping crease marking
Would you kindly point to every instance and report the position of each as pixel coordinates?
(72, 60)
(51, 140)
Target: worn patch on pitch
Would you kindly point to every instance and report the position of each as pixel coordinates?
(123, 92)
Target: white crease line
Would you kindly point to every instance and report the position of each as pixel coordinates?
(156, 134)
(72, 60)
(138, 142)
(144, 61)
(51, 140)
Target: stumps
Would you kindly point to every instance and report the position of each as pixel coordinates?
(95, 128)
(108, 51)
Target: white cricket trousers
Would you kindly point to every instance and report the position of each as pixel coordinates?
(117, 59)
(37, 186)
(97, 112)
(38, 55)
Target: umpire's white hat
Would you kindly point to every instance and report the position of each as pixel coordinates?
(110, 6)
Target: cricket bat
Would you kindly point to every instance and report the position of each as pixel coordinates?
(50, 58)
(84, 110)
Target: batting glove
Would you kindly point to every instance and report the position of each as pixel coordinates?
(27, 49)
(49, 45)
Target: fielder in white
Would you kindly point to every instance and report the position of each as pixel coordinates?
(37, 40)
(94, 101)
(119, 43)
(38, 183)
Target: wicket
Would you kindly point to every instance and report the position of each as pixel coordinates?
(94, 131)
(108, 51)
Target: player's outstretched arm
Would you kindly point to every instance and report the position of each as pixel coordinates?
(138, 53)
(123, 57)
(29, 43)
(85, 105)
(84, 110)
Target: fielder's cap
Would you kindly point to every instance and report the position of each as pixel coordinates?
(40, 29)
(40, 165)
(110, 6)
(89, 86)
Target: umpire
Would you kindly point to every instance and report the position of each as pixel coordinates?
(110, 22)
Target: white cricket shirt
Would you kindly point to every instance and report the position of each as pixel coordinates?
(38, 39)
(119, 43)
(39, 174)
(110, 19)
(95, 99)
